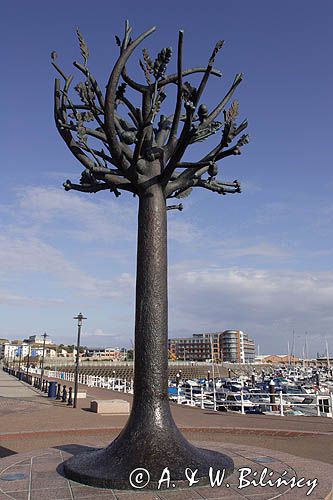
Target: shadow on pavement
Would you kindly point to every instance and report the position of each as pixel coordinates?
(74, 449)
(6, 452)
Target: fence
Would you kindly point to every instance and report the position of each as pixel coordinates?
(239, 401)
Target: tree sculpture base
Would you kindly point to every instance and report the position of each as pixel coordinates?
(127, 465)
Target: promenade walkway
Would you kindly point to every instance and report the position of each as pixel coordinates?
(10, 387)
(31, 425)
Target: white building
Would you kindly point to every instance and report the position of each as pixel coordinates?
(9, 350)
(37, 351)
(39, 339)
(111, 353)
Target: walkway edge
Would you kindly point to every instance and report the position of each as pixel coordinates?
(224, 430)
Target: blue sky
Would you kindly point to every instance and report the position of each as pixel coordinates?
(259, 261)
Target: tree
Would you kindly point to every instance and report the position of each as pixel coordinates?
(60, 348)
(144, 156)
(129, 355)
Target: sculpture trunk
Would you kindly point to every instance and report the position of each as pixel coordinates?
(151, 322)
(150, 439)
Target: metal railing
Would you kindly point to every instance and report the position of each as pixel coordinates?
(276, 402)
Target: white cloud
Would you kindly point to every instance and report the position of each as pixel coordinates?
(266, 303)
(19, 256)
(81, 217)
(266, 250)
(182, 231)
(101, 333)
(12, 299)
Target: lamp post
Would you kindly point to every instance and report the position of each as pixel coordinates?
(43, 356)
(80, 319)
(20, 358)
(28, 362)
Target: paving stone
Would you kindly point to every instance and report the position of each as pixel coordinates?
(17, 495)
(51, 494)
(84, 491)
(179, 494)
(138, 495)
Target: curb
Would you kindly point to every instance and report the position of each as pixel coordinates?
(221, 430)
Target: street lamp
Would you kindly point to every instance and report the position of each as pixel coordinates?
(80, 319)
(20, 360)
(43, 356)
(28, 363)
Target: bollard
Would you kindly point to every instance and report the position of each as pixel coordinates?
(70, 399)
(229, 373)
(317, 380)
(242, 402)
(43, 385)
(281, 404)
(317, 404)
(272, 395)
(178, 395)
(58, 392)
(46, 386)
(202, 398)
(64, 394)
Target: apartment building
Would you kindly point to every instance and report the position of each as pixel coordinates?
(237, 347)
(196, 348)
(231, 345)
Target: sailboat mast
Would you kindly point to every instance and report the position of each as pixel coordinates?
(213, 368)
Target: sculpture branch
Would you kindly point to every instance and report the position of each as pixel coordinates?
(175, 207)
(220, 187)
(85, 188)
(219, 108)
(208, 71)
(132, 109)
(174, 77)
(65, 133)
(176, 116)
(111, 89)
(93, 82)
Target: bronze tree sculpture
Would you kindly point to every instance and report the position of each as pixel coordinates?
(146, 160)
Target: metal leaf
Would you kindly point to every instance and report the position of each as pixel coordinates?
(148, 61)
(83, 47)
(205, 132)
(184, 194)
(145, 69)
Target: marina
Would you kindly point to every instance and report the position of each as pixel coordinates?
(284, 391)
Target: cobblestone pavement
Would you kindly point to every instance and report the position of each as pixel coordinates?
(38, 476)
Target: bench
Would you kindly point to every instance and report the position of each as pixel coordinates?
(110, 407)
(81, 395)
